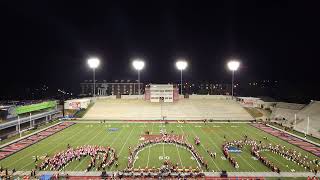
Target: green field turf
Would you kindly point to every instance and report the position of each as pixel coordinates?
(211, 136)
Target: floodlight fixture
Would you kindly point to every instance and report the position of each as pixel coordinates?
(233, 65)
(93, 62)
(181, 65)
(138, 64)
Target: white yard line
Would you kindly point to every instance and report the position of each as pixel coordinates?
(212, 143)
(158, 144)
(273, 143)
(179, 156)
(114, 140)
(36, 150)
(281, 163)
(88, 143)
(123, 145)
(205, 149)
(240, 155)
(178, 149)
(149, 147)
(163, 151)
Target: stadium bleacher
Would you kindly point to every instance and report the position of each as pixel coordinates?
(312, 110)
(184, 109)
(285, 113)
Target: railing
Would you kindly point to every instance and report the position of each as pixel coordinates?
(27, 119)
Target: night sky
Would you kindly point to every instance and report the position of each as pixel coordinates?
(48, 42)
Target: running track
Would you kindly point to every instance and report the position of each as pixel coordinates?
(291, 139)
(28, 141)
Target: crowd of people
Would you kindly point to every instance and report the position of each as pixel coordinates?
(167, 139)
(4, 173)
(61, 159)
(289, 154)
(157, 175)
(256, 148)
(225, 149)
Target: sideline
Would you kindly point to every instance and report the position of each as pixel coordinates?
(214, 174)
(23, 137)
(312, 142)
(160, 121)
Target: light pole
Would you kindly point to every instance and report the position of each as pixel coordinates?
(181, 65)
(233, 65)
(93, 64)
(138, 65)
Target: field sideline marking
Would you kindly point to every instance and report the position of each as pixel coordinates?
(32, 152)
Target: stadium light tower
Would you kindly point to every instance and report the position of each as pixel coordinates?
(93, 64)
(138, 64)
(181, 65)
(233, 65)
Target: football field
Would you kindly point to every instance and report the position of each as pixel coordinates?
(122, 136)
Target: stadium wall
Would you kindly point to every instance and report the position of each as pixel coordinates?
(131, 96)
(106, 97)
(194, 96)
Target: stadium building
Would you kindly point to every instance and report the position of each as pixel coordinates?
(118, 87)
(161, 93)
